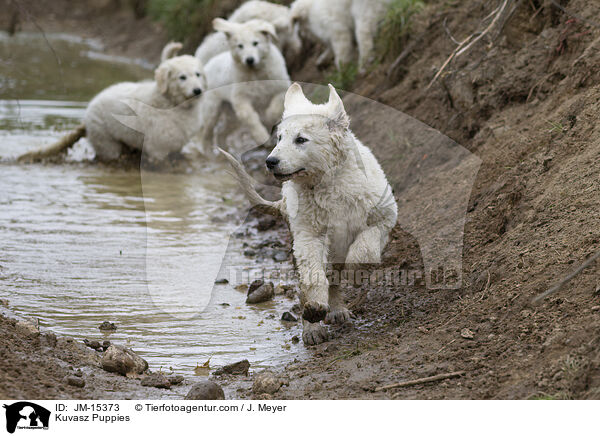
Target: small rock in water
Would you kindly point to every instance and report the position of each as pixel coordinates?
(107, 326)
(254, 286)
(105, 345)
(175, 379)
(261, 294)
(123, 361)
(295, 339)
(266, 383)
(156, 380)
(3, 302)
(249, 253)
(287, 316)
(237, 368)
(93, 344)
(296, 308)
(225, 304)
(221, 281)
(205, 390)
(73, 380)
(280, 256)
(266, 223)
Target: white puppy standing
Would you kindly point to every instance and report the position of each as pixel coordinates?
(288, 42)
(335, 197)
(252, 77)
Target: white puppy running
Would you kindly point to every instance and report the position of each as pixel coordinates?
(252, 77)
(339, 23)
(335, 196)
(288, 39)
(161, 116)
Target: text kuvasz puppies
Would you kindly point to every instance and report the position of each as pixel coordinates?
(252, 77)
(339, 23)
(288, 39)
(160, 115)
(335, 196)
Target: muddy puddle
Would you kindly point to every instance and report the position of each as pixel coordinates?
(81, 244)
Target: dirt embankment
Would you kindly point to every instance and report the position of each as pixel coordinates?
(525, 101)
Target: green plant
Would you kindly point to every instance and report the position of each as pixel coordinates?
(344, 77)
(183, 18)
(396, 26)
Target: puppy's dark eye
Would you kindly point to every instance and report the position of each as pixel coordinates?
(300, 140)
(182, 77)
(240, 46)
(255, 43)
(197, 74)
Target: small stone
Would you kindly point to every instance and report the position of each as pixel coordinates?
(266, 383)
(3, 302)
(260, 294)
(237, 368)
(595, 308)
(73, 380)
(297, 309)
(255, 285)
(205, 390)
(280, 256)
(249, 253)
(107, 326)
(466, 333)
(105, 345)
(225, 304)
(93, 344)
(266, 223)
(123, 361)
(156, 380)
(287, 316)
(295, 339)
(175, 379)
(221, 281)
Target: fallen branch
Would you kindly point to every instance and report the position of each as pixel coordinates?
(469, 41)
(421, 380)
(567, 279)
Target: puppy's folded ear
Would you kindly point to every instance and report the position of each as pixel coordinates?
(162, 76)
(337, 113)
(266, 29)
(221, 25)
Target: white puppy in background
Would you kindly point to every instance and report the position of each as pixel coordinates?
(340, 24)
(160, 116)
(335, 196)
(288, 39)
(251, 77)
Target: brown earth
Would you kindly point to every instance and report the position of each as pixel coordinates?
(524, 100)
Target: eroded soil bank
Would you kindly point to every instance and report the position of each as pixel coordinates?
(525, 101)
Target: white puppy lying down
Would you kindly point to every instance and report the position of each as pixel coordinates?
(335, 197)
(162, 116)
(288, 40)
(251, 77)
(339, 23)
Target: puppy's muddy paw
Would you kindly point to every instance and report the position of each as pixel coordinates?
(314, 311)
(314, 333)
(338, 316)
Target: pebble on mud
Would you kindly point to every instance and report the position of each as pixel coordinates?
(237, 368)
(175, 379)
(205, 390)
(73, 380)
(266, 223)
(266, 383)
(466, 333)
(280, 256)
(221, 281)
(260, 294)
(156, 380)
(107, 326)
(287, 316)
(123, 361)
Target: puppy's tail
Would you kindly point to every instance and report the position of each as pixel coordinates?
(247, 184)
(53, 149)
(170, 50)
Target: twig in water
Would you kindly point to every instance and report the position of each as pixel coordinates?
(421, 380)
(567, 279)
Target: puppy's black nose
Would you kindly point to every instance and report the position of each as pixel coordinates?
(197, 91)
(250, 61)
(272, 162)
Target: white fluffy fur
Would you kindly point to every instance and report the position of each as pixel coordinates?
(339, 24)
(335, 197)
(165, 112)
(288, 41)
(255, 92)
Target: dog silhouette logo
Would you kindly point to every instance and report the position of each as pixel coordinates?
(26, 415)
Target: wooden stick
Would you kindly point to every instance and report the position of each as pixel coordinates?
(421, 380)
(567, 279)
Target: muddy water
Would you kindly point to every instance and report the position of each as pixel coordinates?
(81, 243)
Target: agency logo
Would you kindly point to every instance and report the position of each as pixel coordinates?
(26, 415)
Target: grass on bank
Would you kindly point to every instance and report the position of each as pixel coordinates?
(396, 25)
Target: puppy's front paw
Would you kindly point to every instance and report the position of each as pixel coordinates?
(314, 311)
(338, 316)
(314, 333)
